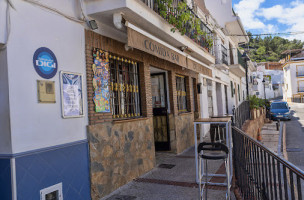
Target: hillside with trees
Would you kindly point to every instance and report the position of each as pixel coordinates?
(270, 48)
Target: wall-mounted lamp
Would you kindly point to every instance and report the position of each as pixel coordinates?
(92, 24)
(183, 48)
(127, 48)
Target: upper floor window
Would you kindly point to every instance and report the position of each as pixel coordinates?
(231, 54)
(300, 70)
(232, 89)
(301, 86)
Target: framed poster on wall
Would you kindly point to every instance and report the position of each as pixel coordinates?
(71, 94)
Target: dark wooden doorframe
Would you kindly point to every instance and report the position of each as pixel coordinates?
(160, 115)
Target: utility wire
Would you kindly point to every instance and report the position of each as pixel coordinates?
(270, 34)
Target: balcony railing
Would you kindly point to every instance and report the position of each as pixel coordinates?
(190, 32)
(260, 174)
(241, 61)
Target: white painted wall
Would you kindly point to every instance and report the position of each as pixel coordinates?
(3, 19)
(293, 78)
(204, 107)
(219, 99)
(225, 8)
(233, 100)
(35, 125)
(5, 136)
(287, 93)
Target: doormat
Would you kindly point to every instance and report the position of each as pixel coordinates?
(121, 197)
(294, 150)
(166, 166)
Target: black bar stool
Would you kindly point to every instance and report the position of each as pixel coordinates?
(212, 151)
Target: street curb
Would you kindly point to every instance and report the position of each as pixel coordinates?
(284, 142)
(281, 139)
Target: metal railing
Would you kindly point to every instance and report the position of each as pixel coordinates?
(260, 174)
(190, 32)
(241, 114)
(298, 98)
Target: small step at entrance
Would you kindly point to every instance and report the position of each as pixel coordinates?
(294, 150)
(166, 166)
(121, 197)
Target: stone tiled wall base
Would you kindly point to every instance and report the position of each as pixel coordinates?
(119, 153)
(254, 126)
(184, 131)
(172, 133)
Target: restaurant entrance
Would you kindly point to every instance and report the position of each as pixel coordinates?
(160, 111)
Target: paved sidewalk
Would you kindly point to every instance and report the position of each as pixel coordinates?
(270, 136)
(173, 178)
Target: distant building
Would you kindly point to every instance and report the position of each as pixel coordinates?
(272, 74)
(293, 89)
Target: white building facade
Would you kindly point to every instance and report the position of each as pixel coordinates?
(273, 82)
(293, 69)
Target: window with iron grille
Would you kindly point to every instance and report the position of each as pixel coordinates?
(125, 96)
(232, 89)
(181, 93)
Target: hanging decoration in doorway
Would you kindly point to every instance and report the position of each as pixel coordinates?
(101, 80)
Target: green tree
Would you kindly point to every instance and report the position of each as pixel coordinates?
(270, 48)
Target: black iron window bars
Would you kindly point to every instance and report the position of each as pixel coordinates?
(125, 95)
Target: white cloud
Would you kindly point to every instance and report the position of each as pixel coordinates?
(247, 9)
(254, 16)
(292, 17)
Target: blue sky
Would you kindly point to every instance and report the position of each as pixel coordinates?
(271, 16)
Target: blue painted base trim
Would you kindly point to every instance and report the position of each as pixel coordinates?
(26, 153)
(68, 164)
(5, 179)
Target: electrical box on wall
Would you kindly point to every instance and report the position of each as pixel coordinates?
(46, 91)
(199, 88)
(53, 192)
(205, 82)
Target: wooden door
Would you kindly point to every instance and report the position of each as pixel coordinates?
(160, 112)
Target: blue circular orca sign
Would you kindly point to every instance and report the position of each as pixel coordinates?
(45, 63)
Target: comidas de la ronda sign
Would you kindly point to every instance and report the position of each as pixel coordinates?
(150, 46)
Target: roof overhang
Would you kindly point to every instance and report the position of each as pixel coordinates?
(138, 13)
(251, 66)
(236, 31)
(238, 70)
(221, 66)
